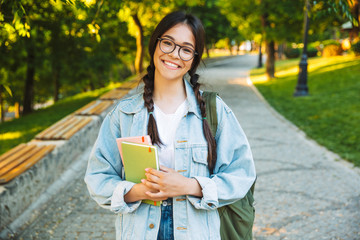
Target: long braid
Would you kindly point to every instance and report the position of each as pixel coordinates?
(149, 104)
(212, 155)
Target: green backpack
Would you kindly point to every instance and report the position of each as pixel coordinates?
(236, 219)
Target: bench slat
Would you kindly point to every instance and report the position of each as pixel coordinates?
(20, 158)
(44, 150)
(129, 85)
(114, 94)
(69, 125)
(100, 107)
(11, 151)
(16, 155)
(52, 128)
(85, 108)
(70, 133)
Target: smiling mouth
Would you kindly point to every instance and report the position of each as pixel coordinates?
(172, 65)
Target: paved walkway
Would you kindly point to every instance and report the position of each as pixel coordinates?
(302, 191)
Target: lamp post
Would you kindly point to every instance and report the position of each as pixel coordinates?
(302, 88)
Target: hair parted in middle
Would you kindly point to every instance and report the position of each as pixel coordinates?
(197, 29)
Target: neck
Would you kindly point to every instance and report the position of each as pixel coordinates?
(171, 91)
(169, 94)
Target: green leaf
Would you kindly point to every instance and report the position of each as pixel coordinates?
(7, 88)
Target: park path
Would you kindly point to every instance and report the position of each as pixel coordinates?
(302, 190)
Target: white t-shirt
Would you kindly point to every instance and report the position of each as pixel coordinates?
(167, 125)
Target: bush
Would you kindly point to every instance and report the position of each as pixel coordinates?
(312, 52)
(330, 42)
(332, 50)
(356, 48)
(292, 52)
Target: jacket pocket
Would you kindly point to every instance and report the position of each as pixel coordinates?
(199, 164)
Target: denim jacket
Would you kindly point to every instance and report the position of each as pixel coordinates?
(193, 217)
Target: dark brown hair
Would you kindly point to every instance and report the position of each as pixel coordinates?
(197, 29)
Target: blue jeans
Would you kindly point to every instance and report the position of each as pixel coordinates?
(166, 231)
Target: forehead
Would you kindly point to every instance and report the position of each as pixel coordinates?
(181, 33)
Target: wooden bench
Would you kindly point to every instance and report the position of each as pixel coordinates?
(19, 159)
(114, 94)
(95, 107)
(64, 129)
(129, 84)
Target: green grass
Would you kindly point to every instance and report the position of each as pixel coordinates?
(331, 113)
(25, 128)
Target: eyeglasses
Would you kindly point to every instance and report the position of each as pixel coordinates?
(168, 46)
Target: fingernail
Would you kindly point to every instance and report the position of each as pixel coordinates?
(146, 169)
(142, 180)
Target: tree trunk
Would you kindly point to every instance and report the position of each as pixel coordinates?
(29, 81)
(207, 51)
(56, 52)
(2, 117)
(260, 63)
(270, 59)
(139, 45)
(56, 85)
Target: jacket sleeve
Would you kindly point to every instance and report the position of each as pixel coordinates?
(103, 174)
(234, 172)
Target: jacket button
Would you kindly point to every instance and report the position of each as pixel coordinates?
(151, 226)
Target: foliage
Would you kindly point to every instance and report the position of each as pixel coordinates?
(330, 42)
(355, 47)
(292, 52)
(330, 115)
(74, 47)
(332, 50)
(312, 52)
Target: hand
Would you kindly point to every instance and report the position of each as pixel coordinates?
(169, 183)
(138, 191)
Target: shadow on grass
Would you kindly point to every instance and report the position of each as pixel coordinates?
(331, 113)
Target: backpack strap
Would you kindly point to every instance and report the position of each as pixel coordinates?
(210, 106)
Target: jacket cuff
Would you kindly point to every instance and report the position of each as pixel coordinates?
(118, 204)
(209, 200)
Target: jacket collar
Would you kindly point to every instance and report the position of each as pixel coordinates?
(135, 103)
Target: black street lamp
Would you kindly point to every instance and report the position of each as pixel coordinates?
(302, 88)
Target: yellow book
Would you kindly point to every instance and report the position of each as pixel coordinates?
(137, 157)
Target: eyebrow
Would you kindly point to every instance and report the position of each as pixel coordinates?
(185, 43)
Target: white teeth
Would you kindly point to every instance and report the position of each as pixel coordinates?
(170, 64)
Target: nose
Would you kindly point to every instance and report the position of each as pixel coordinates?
(175, 53)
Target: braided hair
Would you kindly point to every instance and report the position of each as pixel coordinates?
(197, 29)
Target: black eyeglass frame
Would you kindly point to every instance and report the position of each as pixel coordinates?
(180, 47)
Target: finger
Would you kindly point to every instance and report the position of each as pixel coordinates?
(158, 195)
(150, 184)
(154, 172)
(152, 178)
(166, 169)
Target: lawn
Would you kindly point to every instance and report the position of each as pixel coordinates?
(25, 128)
(331, 113)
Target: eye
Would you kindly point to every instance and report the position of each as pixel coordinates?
(187, 50)
(167, 43)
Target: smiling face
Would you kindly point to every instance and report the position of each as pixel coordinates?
(169, 66)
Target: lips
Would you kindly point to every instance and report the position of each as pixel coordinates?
(171, 65)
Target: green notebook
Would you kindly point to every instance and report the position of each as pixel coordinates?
(137, 157)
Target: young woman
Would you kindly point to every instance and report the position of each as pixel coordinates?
(199, 172)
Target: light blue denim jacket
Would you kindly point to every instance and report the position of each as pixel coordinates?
(194, 217)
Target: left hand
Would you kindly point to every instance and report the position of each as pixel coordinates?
(169, 183)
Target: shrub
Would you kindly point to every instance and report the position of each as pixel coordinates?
(332, 50)
(355, 47)
(330, 42)
(312, 52)
(292, 52)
